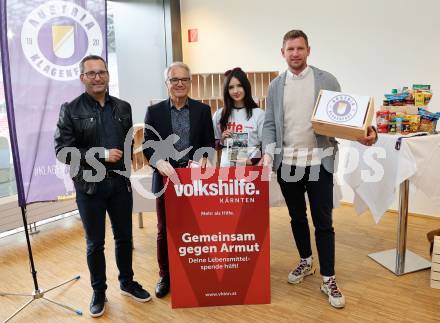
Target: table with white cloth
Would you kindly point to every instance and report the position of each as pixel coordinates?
(395, 163)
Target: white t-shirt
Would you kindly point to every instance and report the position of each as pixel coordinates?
(240, 125)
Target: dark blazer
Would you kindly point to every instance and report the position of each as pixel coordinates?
(158, 116)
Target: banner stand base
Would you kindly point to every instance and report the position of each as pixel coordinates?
(39, 294)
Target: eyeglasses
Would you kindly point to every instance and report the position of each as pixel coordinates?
(175, 81)
(92, 74)
(235, 69)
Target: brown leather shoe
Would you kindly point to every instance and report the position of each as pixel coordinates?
(163, 287)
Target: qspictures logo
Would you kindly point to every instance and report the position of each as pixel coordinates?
(342, 108)
(57, 35)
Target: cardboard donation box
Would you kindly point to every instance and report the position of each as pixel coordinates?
(342, 115)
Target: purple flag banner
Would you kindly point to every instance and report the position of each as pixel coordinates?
(42, 43)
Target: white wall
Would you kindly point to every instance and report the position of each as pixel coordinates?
(370, 46)
(141, 52)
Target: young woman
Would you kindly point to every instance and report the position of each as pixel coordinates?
(238, 126)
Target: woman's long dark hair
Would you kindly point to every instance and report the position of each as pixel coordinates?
(249, 102)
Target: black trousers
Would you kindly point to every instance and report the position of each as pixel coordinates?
(114, 197)
(318, 183)
(161, 240)
(162, 243)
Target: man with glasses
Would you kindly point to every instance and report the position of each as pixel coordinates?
(191, 121)
(95, 125)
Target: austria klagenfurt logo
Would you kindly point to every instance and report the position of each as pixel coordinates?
(342, 108)
(57, 35)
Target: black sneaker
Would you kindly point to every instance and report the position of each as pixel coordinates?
(135, 290)
(97, 305)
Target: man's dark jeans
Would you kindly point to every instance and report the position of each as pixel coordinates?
(318, 183)
(114, 197)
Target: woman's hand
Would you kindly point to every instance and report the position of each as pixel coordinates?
(226, 134)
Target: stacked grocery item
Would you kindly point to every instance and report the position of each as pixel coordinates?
(406, 111)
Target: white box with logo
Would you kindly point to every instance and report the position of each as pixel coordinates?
(342, 115)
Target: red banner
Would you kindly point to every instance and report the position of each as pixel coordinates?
(218, 237)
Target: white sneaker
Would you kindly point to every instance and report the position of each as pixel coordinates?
(335, 296)
(303, 269)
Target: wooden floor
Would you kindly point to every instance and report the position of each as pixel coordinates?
(373, 294)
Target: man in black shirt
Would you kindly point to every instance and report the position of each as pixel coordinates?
(90, 136)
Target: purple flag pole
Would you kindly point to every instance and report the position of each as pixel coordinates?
(10, 103)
